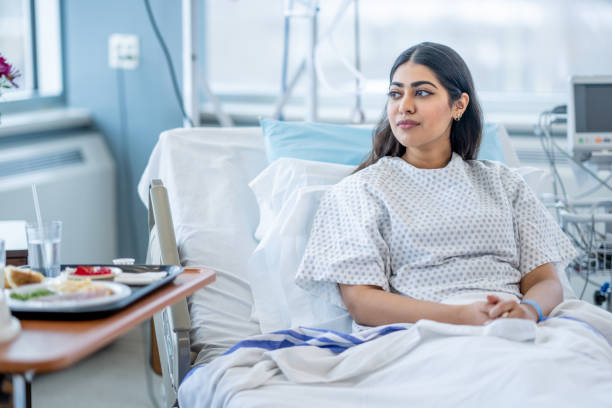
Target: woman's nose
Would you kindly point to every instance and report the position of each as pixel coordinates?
(406, 104)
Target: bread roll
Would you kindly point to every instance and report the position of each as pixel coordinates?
(15, 277)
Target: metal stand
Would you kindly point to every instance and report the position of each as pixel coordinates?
(309, 10)
(172, 324)
(22, 390)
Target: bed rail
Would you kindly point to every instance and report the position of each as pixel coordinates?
(173, 323)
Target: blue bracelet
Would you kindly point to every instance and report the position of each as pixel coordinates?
(537, 307)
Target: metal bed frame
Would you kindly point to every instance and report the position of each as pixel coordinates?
(172, 324)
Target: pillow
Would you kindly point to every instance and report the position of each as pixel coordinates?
(316, 141)
(278, 302)
(273, 186)
(490, 146)
(344, 144)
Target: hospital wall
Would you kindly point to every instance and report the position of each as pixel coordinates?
(148, 97)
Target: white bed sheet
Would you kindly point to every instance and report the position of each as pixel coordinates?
(206, 173)
(512, 362)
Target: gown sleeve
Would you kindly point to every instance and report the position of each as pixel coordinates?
(346, 244)
(540, 238)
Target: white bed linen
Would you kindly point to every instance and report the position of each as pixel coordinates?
(206, 173)
(510, 363)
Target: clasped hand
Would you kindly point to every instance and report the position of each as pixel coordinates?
(480, 313)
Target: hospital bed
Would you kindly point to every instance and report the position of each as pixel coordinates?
(202, 212)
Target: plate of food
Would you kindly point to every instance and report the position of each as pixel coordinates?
(82, 272)
(60, 294)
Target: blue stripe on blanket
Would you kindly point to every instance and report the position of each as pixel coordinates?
(334, 341)
(264, 344)
(295, 334)
(345, 336)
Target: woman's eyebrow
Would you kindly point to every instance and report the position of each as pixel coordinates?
(413, 85)
(418, 83)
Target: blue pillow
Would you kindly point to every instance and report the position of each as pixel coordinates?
(490, 146)
(342, 144)
(316, 141)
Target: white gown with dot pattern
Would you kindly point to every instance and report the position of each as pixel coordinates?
(430, 234)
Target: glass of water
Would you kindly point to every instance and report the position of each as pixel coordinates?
(44, 247)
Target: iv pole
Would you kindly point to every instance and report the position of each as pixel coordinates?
(191, 78)
(308, 65)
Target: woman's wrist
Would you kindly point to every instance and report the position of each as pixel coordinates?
(530, 308)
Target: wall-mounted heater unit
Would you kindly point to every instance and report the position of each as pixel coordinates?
(75, 179)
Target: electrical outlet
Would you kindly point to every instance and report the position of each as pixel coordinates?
(123, 51)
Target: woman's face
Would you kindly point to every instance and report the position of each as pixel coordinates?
(418, 110)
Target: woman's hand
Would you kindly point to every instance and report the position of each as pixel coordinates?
(478, 313)
(511, 309)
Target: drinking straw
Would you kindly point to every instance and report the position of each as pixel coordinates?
(40, 224)
(37, 206)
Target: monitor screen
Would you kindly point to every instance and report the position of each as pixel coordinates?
(593, 107)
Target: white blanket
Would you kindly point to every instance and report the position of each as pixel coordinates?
(564, 361)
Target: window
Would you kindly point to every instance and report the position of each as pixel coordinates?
(30, 40)
(521, 52)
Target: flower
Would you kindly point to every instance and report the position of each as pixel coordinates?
(7, 74)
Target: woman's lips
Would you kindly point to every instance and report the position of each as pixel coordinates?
(407, 124)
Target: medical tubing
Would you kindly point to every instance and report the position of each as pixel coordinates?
(536, 306)
(177, 91)
(328, 35)
(551, 154)
(551, 162)
(582, 166)
(546, 136)
(592, 189)
(588, 254)
(603, 183)
(585, 278)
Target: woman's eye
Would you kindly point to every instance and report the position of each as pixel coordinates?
(393, 94)
(422, 92)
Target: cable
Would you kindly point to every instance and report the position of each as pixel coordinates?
(127, 193)
(125, 161)
(592, 189)
(582, 166)
(550, 153)
(160, 39)
(545, 136)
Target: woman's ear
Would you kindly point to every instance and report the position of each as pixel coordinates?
(461, 104)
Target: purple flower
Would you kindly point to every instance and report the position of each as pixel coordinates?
(8, 73)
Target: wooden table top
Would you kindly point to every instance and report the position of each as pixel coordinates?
(51, 345)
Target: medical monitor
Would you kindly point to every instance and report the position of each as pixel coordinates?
(589, 129)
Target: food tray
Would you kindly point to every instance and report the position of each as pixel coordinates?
(97, 311)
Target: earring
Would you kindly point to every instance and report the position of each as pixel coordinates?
(458, 118)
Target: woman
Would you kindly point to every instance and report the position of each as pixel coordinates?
(422, 223)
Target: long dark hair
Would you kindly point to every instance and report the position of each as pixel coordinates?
(455, 77)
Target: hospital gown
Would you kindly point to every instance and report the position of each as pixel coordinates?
(430, 234)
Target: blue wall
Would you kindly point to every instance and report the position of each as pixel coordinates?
(149, 100)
